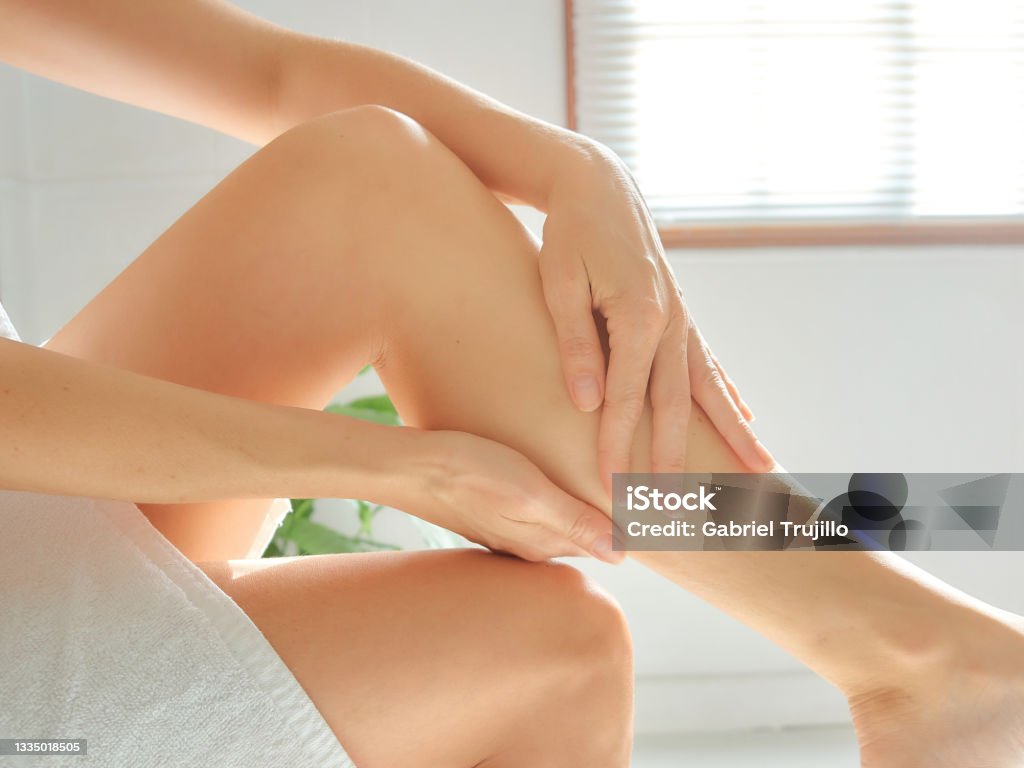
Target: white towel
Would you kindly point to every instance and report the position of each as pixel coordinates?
(109, 634)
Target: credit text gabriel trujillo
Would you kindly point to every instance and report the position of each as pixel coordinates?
(642, 498)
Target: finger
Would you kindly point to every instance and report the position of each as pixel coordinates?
(731, 387)
(670, 399)
(567, 294)
(633, 340)
(581, 525)
(710, 391)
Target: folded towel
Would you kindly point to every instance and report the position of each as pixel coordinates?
(109, 634)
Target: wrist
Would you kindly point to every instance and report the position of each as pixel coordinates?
(328, 455)
(579, 163)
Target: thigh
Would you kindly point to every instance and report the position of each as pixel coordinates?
(443, 658)
(248, 294)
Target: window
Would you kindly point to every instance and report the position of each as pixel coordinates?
(803, 120)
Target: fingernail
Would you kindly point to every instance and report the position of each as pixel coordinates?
(767, 459)
(586, 393)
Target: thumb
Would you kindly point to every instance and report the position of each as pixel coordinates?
(588, 528)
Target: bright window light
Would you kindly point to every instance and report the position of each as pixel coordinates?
(787, 110)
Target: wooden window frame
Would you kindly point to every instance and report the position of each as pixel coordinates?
(932, 231)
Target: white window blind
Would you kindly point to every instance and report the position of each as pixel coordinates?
(797, 110)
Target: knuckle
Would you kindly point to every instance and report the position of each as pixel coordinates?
(679, 310)
(737, 428)
(679, 322)
(745, 427)
(650, 317)
(649, 270)
(710, 377)
(562, 271)
(628, 402)
(674, 463)
(579, 347)
(581, 530)
(674, 399)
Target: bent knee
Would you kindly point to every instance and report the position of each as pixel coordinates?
(368, 137)
(567, 617)
(593, 621)
(368, 122)
(359, 167)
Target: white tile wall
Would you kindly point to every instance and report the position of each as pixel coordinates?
(17, 278)
(12, 123)
(76, 135)
(790, 748)
(513, 51)
(900, 358)
(84, 232)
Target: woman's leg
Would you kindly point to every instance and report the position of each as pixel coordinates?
(360, 232)
(433, 659)
(448, 659)
(355, 238)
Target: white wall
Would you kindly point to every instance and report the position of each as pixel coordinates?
(894, 359)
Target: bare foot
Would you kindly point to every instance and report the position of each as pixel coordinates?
(966, 712)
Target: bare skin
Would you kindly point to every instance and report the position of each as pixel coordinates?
(415, 295)
(448, 658)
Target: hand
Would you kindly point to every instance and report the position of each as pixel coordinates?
(602, 254)
(494, 496)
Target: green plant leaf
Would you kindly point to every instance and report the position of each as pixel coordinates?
(302, 509)
(374, 403)
(317, 539)
(377, 408)
(273, 549)
(366, 513)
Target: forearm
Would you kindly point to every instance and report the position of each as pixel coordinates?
(206, 61)
(72, 427)
(515, 155)
(212, 63)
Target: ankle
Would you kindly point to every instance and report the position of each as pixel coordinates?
(960, 648)
(966, 708)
